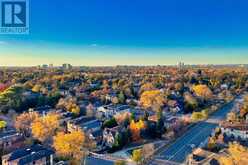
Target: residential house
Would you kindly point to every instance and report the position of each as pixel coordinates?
(171, 122)
(111, 110)
(64, 92)
(109, 136)
(238, 130)
(30, 95)
(43, 110)
(10, 140)
(110, 96)
(139, 112)
(34, 155)
(174, 106)
(64, 116)
(90, 125)
(203, 157)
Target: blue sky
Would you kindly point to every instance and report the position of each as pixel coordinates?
(134, 32)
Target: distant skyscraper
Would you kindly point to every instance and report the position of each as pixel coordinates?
(44, 66)
(180, 65)
(66, 66)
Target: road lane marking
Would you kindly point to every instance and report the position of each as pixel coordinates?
(185, 145)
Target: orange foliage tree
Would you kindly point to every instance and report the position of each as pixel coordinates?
(3, 87)
(135, 128)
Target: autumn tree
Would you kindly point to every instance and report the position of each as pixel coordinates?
(135, 128)
(202, 91)
(196, 116)
(146, 87)
(23, 122)
(44, 127)
(36, 88)
(120, 162)
(152, 99)
(2, 124)
(121, 118)
(137, 155)
(237, 154)
(148, 150)
(3, 87)
(69, 104)
(190, 102)
(244, 108)
(75, 110)
(178, 86)
(212, 142)
(90, 110)
(214, 82)
(231, 117)
(69, 144)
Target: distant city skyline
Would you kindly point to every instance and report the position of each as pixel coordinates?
(160, 32)
(33, 55)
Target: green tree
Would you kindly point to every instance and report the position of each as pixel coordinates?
(110, 123)
(121, 97)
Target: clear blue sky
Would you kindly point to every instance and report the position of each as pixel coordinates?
(142, 32)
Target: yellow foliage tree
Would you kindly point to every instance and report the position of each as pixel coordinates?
(231, 117)
(153, 98)
(36, 88)
(70, 104)
(238, 154)
(44, 127)
(146, 87)
(76, 110)
(137, 155)
(211, 143)
(196, 116)
(202, 91)
(70, 144)
(2, 124)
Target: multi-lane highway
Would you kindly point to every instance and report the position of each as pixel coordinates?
(178, 151)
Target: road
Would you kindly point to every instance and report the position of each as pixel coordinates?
(178, 151)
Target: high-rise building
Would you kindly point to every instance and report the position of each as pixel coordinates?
(66, 66)
(50, 65)
(180, 65)
(44, 66)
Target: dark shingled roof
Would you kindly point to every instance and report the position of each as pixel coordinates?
(9, 133)
(35, 156)
(30, 154)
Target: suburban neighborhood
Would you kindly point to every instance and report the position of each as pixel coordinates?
(124, 115)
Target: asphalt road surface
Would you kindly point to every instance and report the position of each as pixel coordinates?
(178, 151)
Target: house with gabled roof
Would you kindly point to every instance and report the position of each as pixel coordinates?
(34, 155)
